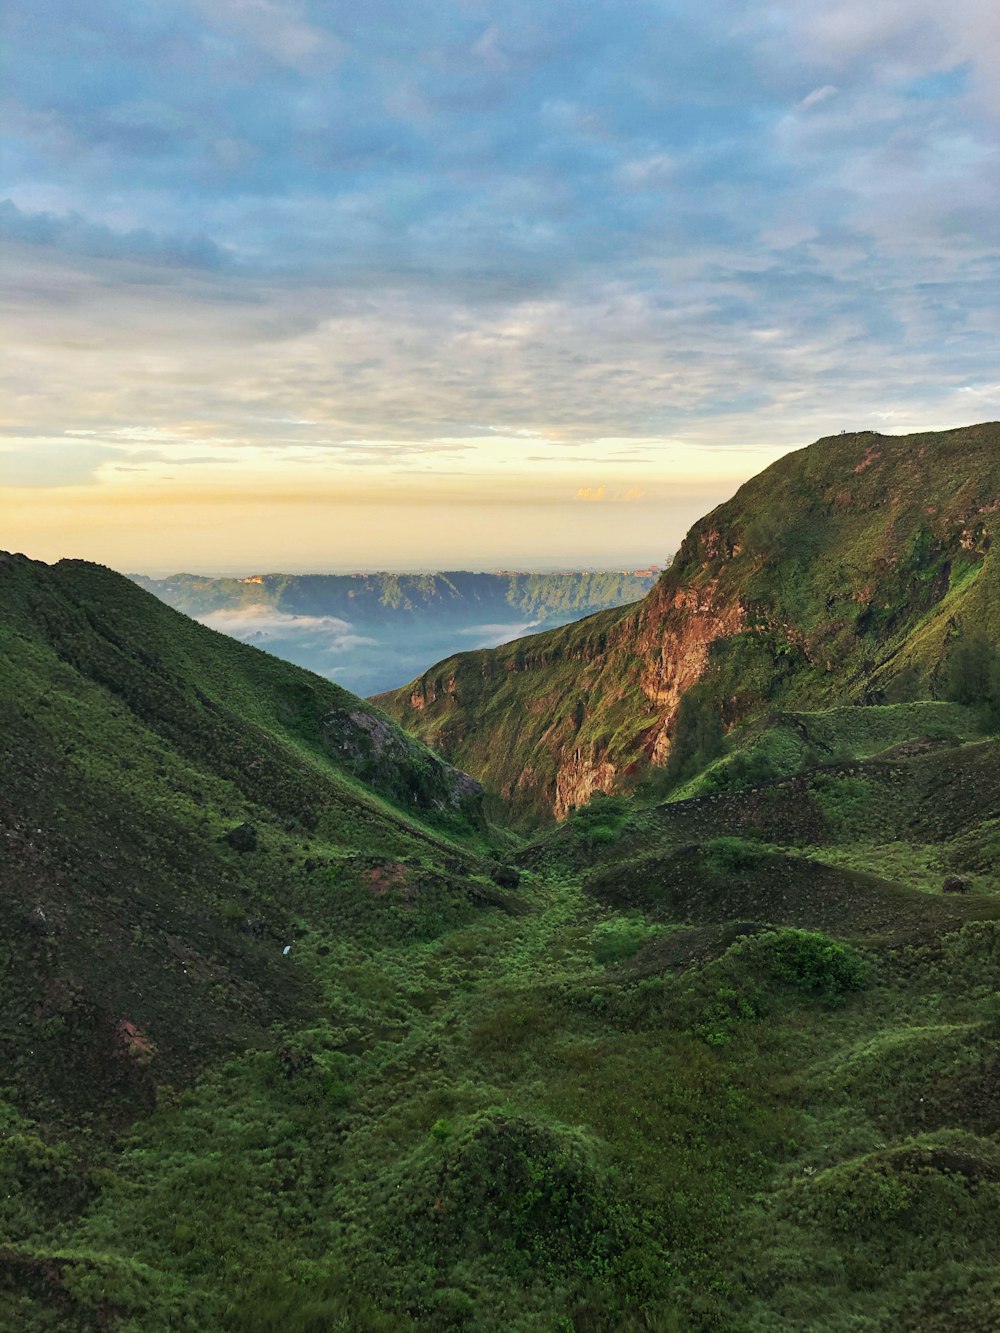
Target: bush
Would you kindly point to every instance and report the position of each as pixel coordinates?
(733, 856)
(776, 755)
(528, 1194)
(974, 671)
(615, 940)
(812, 963)
(602, 821)
(840, 796)
(722, 1016)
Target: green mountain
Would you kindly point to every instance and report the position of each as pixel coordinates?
(845, 572)
(183, 821)
(169, 797)
(373, 631)
(295, 1041)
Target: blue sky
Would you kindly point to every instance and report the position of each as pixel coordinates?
(576, 266)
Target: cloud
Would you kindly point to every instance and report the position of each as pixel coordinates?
(73, 234)
(259, 618)
(591, 492)
(489, 49)
(278, 28)
(264, 626)
(818, 95)
(646, 173)
(351, 235)
(44, 463)
(491, 636)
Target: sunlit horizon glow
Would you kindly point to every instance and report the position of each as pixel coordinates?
(303, 287)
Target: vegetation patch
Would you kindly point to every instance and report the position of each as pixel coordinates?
(733, 856)
(619, 938)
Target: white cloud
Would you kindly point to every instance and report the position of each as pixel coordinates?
(818, 95)
(646, 173)
(488, 48)
(260, 623)
(280, 28)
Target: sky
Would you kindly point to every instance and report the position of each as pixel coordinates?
(293, 285)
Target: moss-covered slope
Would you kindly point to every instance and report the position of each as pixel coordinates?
(169, 800)
(843, 572)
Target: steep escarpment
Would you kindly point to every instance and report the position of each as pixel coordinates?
(845, 572)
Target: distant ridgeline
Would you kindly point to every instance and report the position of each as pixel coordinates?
(379, 599)
(374, 631)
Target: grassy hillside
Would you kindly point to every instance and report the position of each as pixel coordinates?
(171, 795)
(845, 573)
(724, 1065)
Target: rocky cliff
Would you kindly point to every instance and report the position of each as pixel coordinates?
(844, 572)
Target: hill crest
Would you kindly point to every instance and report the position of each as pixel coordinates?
(830, 577)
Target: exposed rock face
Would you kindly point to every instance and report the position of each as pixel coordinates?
(839, 568)
(577, 780)
(677, 630)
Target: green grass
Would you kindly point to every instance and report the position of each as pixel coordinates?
(719, 1064)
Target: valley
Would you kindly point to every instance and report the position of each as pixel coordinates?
(662, 993)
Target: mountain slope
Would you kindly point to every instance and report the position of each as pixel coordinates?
(323, 1074)
(168, 798)
(377, 599)
(843, 571)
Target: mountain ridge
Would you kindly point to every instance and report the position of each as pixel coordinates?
(165, 783)
(368, 595)
(866, 550)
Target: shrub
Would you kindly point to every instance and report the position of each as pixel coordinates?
(601, 822)
(524, 1192)
(733, 856)
(974, 671)
(615, 940)
(811, 962)
(840, 796)
(722, 1016)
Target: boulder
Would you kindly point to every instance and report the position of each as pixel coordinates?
(242, 838)
(506, 877)
(955, 884)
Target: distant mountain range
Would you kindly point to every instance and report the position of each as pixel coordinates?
(372, 632)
